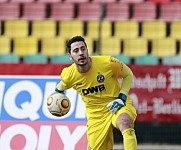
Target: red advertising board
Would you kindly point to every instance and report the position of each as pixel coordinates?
(156, 93)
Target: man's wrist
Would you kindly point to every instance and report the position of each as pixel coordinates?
(58, 90)
(122, 96)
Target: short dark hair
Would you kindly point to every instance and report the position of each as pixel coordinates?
(74, 39)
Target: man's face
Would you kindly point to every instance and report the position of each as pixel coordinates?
(79, 53)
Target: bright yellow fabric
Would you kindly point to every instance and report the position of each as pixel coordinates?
(98, 87)
(120, 70)
(130, 141)
(61, 86)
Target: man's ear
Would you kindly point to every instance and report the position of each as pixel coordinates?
(70, 57)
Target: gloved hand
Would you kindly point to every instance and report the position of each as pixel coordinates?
(116, 104)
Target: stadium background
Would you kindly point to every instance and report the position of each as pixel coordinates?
(145, 34)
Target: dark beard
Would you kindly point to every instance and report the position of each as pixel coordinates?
(82, 64)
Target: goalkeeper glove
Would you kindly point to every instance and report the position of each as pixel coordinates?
(118, 103)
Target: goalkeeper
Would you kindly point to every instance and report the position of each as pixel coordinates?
(108, 104)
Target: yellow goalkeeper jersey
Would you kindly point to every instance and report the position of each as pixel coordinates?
(100, 84)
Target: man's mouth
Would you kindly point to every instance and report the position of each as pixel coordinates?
(83, 58)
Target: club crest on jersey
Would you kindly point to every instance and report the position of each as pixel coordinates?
(100, 78)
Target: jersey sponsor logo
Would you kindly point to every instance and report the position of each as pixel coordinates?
(78, 84)
(100, 78)
(94, 89)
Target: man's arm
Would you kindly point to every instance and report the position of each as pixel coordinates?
(60, 87)
(120, 70)
(127, 78)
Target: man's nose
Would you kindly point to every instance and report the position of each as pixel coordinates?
(80, 52)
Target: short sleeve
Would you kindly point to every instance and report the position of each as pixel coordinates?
(65, 78)
(117, 67)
